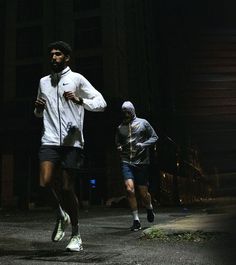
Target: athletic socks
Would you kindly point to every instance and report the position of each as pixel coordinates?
(135, 215)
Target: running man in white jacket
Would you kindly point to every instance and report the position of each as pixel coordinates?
(62, 97)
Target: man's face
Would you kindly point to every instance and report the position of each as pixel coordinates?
(58, 60)
(126, 116)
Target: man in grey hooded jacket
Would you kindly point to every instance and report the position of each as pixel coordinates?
(134, 136)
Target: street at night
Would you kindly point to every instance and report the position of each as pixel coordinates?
(112, 110)
(25, 237)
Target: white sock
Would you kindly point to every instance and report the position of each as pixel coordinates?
(135, 215)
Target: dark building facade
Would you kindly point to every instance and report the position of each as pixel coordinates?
(198, 63)
(102, 34)
(165, 57)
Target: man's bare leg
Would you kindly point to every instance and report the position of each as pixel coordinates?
(131, 196)
(147, 201)
(70, 200)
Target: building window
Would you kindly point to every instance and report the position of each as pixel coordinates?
(29, 42)
(27, 80)
(88, 33)
(91, 68)
(81, 5)
(29, 10)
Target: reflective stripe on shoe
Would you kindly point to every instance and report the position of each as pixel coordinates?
(59, 230)
(75, 244)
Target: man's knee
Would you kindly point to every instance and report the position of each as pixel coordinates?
(68, 180)
(130, 192)
(44, 182)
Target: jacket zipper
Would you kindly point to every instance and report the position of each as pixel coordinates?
(59, 115)
(131, 149)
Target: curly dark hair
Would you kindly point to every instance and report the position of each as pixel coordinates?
(64, 47)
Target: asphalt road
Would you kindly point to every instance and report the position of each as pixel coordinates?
(25, 239)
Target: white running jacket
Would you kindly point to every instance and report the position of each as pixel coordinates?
(63, 119)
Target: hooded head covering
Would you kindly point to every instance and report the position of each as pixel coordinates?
(129, 107)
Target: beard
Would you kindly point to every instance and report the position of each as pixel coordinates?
(55, 78)
(57, 67)
(56, 75)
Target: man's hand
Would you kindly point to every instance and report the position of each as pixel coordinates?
(69, 95)
(140, 145)
(40, 104)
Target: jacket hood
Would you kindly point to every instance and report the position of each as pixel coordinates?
(128, 106)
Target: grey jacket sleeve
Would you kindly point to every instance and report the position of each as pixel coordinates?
(151, 135)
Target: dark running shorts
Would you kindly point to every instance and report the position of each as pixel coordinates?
(69, 157)
(138, 173)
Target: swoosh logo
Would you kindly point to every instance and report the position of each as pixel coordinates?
(64, 84)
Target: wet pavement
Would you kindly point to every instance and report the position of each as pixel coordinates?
(25, 237)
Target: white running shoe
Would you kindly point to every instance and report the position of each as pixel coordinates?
(59, 230)
(75, 244)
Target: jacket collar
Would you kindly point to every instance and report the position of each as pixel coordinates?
(55, 77)
(65, 71)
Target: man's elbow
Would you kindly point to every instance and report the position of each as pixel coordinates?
(102, 106)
